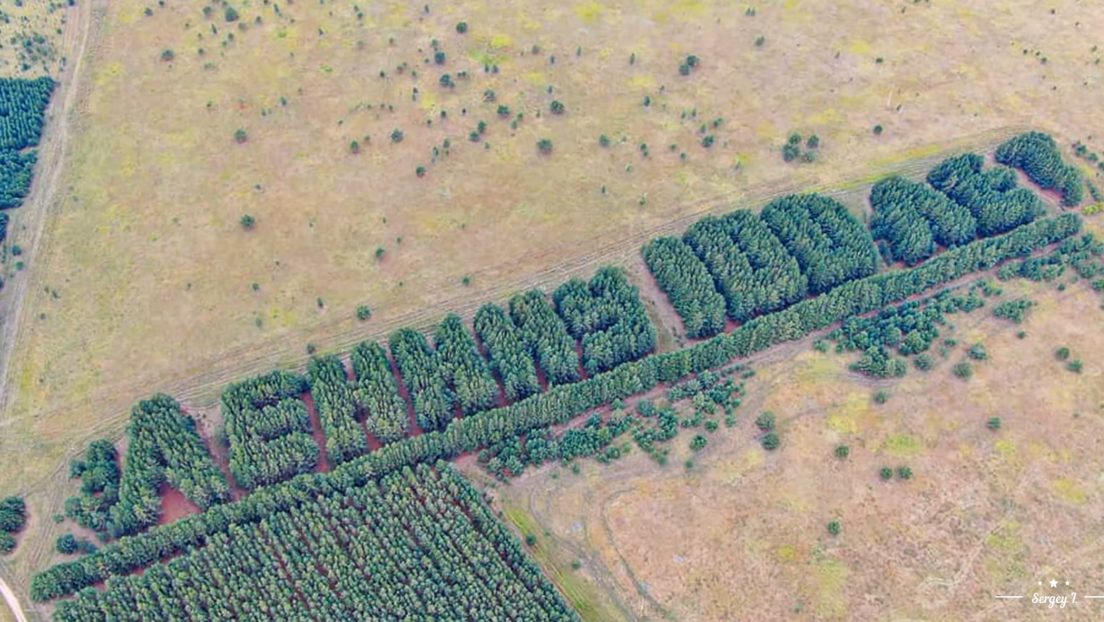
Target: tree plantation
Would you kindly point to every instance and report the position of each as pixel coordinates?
(808, 244)
(393, 533)
(22, 111)
(419, 544)
(557, 405)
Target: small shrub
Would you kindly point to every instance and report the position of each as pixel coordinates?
(310, 348)
(813, 142)
(544, 146)
(698, 443)
(765, 421)
(247, 222)
(67, 544)
(439, 57)
(576, 564)
(231, 14)
(878, 130)
(379, 253)
(684, 69)
(604, 141)
(354, 147)
(711, 426)
(1062, 353)
(994, 423)
(963, 370)
(363, 313)
(1075, 366)
(396, 135)
(530, 540)
(167, 55)
(904, 472)
(978, 352)
(834, 528)
(462, 27)
(557, 107)
(886, 474)
(420, 171)
(881, 397)
(240, 136)
(503, 111)
(760, 40)
(446, 81)
(790, 152)
(771, 441)
(842, 451)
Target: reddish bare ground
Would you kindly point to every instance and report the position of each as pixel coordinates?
(316, 432)
(174, 505)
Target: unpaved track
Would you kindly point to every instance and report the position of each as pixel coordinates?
(13, 603)
(45, 199)
(30, 222)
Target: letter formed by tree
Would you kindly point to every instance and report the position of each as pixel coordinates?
(269, 429)
(830, 245)
(337, 410)
(903, 210)
(463, 368)
(991, 196)
(164, 448)
(688, 285)
(608, 317)
(509, 357)
(751, 268)
(1036, 154)
(433, 401)
(546, 337)
(377, 393)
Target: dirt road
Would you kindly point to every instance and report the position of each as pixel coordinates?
(29, 221)
(13, 603)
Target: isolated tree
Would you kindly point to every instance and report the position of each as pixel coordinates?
(247, 222)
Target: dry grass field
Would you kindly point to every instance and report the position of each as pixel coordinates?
(145, 281)
(743, 534)
(30, 37)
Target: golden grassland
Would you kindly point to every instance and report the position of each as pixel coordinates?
(146, 281)
(742, 535)
(30, 37)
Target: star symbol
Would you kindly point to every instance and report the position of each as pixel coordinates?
(1053, 583)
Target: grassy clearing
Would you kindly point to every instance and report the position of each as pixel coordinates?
(985, 511)
(566, 571)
